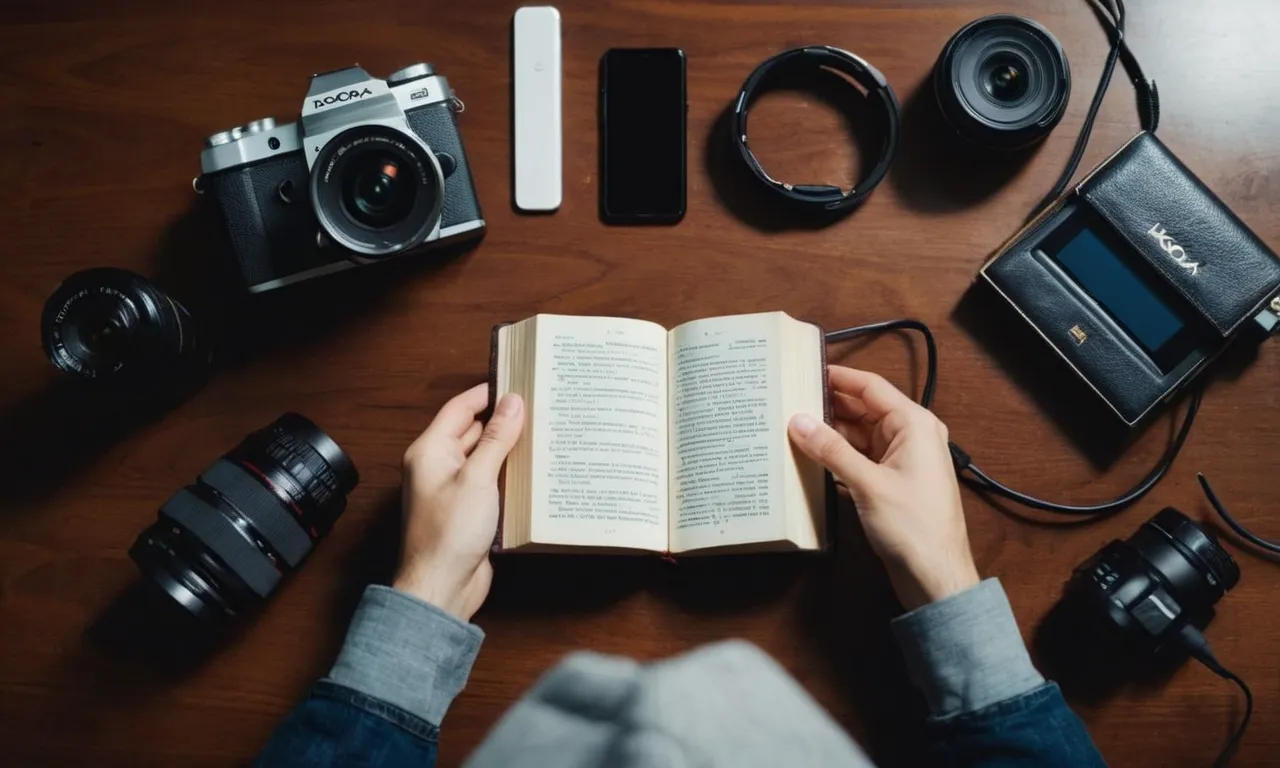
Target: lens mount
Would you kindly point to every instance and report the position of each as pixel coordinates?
(377, 190)
(1002, 81)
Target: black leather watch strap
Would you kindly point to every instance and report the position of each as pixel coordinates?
(824, 197)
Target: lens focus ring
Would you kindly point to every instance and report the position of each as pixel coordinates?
(262, 508)
(221, 536)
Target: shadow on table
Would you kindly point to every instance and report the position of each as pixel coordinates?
(1025, 357)
(194, 261)
(937, 171)
(55, 432)
(152, 640)
(1089, 664)
(844, 613)
(556, 585)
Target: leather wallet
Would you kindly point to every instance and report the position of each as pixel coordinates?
(1138, 277)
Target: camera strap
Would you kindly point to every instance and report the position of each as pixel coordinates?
(1111, 13)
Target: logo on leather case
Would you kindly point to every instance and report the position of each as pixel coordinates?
(1175, 251)
(1078, 334)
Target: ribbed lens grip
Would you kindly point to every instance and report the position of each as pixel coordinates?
(264, 509)
(224, 539)
(308, 468)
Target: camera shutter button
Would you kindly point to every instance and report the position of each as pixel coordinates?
(410, 73)
(218, 139)
(258, 126)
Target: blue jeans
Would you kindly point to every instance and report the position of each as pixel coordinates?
(337, 726)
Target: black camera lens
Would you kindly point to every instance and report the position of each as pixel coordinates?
(110, 325)
(1169, 573)
(1002, 81)
(221, 545)
(377, 191)
(1005, 77)
(374, 195)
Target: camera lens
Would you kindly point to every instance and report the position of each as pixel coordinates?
(222, 545)
(377, 191)
(1005, 77)
(1002, 81)
(110, 325)
(1170, 572)
(374, 195)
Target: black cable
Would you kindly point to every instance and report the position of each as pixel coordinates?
(1112, 17)
(1230, 520)
(905, 324)
(1196, 644)
(983, 482)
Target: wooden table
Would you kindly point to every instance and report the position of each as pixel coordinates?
(103, 107)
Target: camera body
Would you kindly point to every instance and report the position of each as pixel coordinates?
(372, 169)
(1145, 589)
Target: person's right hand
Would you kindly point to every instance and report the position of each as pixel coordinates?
(891, 453)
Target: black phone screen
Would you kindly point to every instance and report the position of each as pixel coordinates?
(643, 121)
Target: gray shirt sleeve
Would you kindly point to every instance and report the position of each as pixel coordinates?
(407, 652)
(965, 652)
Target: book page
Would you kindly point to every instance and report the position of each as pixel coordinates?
(728, 441)
(600, 421)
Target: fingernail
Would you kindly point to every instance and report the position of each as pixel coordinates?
(803, 424)
(509, 405)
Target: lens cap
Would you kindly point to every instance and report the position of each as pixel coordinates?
(1002, 81)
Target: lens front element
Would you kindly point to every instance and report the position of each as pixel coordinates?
(377, 191)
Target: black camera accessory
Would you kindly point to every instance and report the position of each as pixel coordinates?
(1156, 589)
(115, 328)
(1002, 81)
(222, 545)
(1168, 574)
(1138, 278)
(823, 198)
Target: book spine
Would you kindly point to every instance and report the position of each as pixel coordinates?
(496, 548)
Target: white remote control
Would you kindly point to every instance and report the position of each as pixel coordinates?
(536, 72)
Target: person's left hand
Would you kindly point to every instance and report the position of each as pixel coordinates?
(451, 501)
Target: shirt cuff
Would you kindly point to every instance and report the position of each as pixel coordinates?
(406, 652)
(965, 652)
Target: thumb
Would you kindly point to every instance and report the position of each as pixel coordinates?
(497, 439)
(829, 448)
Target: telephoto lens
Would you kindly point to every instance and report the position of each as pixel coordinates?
(115, 328)
(1002, 82)
(1168, 574)
(222, 545)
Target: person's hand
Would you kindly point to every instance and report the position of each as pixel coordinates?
(451, 501)
(891, 453)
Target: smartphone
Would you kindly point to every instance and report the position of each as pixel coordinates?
(642, 136)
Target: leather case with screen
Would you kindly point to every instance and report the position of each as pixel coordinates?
(1175, 238)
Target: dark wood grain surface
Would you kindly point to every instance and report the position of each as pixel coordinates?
(103, 107)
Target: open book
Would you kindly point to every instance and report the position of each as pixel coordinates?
(642, 439)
